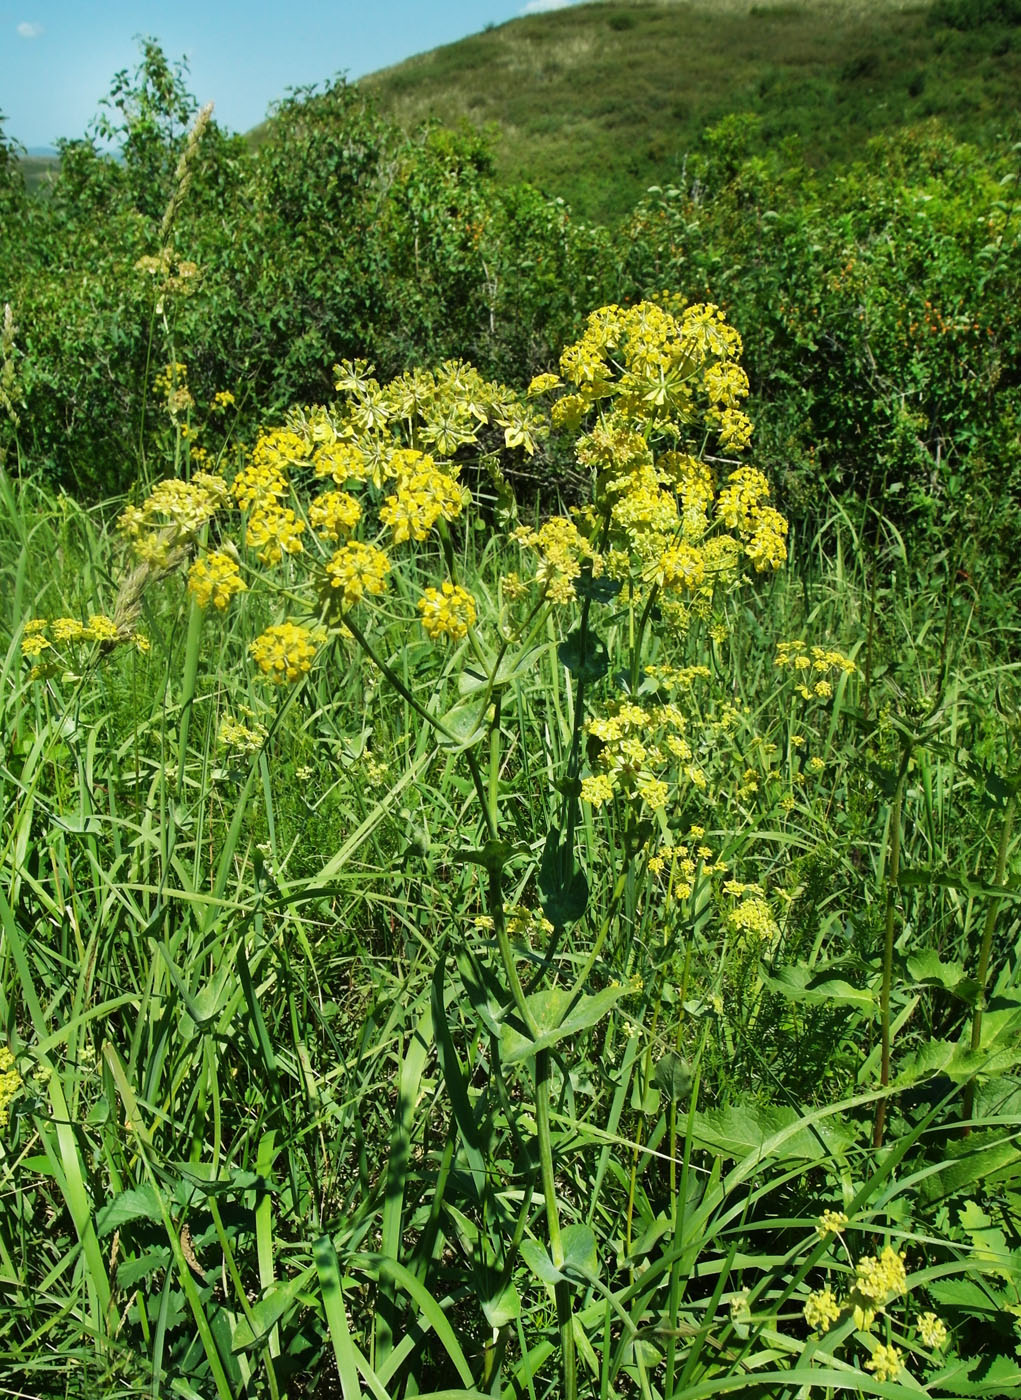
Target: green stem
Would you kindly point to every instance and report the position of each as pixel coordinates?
(191, 666)
(892, 875)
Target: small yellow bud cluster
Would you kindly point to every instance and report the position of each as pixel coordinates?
(284, 653)
(815, 665)
(885, 1362)
(232, 734)
(60, 650)
(562, 549)
(216, 579)
(753, 923)
(355, 570)
(821, 1309)
(831, 1222)
(447, 612)
(10, 1084)
(171, 517)
(171, 385)
(932, 1330)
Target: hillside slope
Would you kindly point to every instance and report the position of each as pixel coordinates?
(596, 102)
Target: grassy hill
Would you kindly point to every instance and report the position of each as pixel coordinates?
(596, 102)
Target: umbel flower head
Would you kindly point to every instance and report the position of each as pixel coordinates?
(215, 579)
(284, 653)
(10, 1083)
(447, 612)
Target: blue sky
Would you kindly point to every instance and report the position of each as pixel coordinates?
(57, 56)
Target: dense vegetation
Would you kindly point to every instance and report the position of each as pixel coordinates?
(507, 889)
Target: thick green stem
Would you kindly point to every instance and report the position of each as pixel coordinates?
(892, 875)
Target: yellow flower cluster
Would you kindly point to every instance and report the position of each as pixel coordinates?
(10, 1083)
(444, 410)
(814, 665)
(880, 1276)
(562, 549)
(171, 517)
(752, 922)
(831, 1222)
(423, 495)
(171, 384)
(43, 640)
(274, 531)
(340, 460)
(763, 530)
(931, 1330)
(232, 734)
(521, 922)
(355, 570)
(656, 377)
(821, 1309)
(284, 653)
(678, 677)
(885, 1362)
(653, 364)
(685, 864)
(447, 612)
(258, 485)
(333, 514)
(636, 747)
(216, 579)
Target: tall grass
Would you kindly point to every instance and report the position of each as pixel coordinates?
(264, 1143)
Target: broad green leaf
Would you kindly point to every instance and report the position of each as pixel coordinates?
(555, 1021)
(465, 726)
(768, 1131)
(541, 1265)
(494, 855)
(584, 655)
(510, 670)
(803, 984)
(580, 1254)
(672, 1077)
(137, 1203)
(600, 590)
(501, 1305)
(927, 969)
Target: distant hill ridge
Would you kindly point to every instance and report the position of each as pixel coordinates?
(596, 102)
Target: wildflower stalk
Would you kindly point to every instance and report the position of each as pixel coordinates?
(892, 875)
(192, 646)
(985, 949)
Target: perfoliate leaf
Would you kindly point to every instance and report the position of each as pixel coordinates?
(563, 890)
(555, 1021)
(584, 655)
(672, 1076)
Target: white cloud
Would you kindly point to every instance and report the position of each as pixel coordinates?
(538, 7)
(29, 31)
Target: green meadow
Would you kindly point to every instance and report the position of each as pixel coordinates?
(509, 736)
